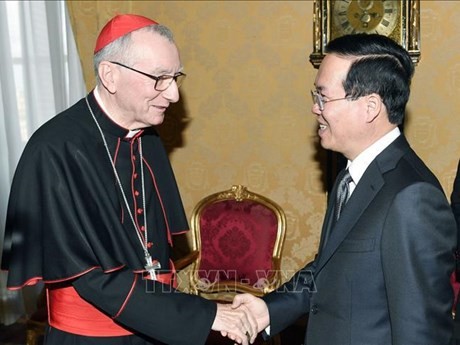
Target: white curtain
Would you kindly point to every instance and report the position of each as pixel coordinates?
(40, 75)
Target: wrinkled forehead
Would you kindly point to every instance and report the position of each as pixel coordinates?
(151, 50)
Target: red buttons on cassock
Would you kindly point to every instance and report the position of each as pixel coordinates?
(135, 175)
(142, 228)
(140, 211)
(136, 193)
(149, 244)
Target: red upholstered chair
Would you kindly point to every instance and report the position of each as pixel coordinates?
(239, 236)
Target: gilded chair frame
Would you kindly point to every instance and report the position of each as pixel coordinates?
(237, 193)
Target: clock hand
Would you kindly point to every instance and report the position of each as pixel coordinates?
(366, 17)
(375, 14)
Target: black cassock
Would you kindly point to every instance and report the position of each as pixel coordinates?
(68, 225)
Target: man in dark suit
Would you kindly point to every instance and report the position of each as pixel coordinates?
(381, 276)
(455, 197)
(455, 204)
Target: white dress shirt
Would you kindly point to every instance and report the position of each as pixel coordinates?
(358, 166)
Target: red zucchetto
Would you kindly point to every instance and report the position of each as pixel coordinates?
(118, 26)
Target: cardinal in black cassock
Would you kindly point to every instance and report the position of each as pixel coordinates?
(92, 211)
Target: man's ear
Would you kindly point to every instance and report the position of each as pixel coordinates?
(108, 75)
(374, 107)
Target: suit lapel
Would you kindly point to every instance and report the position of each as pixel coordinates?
(370, 184)
(365, 192)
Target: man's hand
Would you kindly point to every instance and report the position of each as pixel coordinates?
(237, 324)
(257, 308)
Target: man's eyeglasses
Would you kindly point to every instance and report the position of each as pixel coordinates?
(319, 99)
(163, 81)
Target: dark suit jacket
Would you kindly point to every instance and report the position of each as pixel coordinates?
(382, 278)
(455, 204)
(455, 197)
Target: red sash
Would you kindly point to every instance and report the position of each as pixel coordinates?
(68, 312)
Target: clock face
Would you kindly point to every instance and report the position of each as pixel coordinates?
(355, 16)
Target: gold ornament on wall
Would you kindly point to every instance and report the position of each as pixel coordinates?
(397, 19)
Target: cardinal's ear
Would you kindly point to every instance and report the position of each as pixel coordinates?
(108, 75)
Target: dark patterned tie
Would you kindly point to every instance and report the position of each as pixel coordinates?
(342, 194)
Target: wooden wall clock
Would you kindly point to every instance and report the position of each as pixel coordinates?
(397, 19)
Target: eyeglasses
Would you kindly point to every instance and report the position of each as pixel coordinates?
(319, 99)
(163, 81)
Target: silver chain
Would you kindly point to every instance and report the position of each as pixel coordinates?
(145, 241)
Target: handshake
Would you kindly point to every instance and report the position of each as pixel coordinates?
(242, 320)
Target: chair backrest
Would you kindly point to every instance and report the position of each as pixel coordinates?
(239, 236)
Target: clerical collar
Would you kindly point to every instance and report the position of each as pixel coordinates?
(131, 132)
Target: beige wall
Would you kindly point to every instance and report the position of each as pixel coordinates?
(245, 118)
